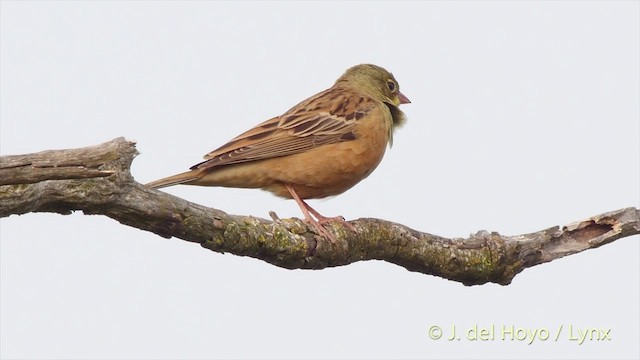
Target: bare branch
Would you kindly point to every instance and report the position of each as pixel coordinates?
(97, 180)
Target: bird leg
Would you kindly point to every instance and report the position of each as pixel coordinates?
(317, 224)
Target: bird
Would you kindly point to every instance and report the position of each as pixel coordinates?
(321, 147)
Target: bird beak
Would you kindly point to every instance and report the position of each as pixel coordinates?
(403, 99)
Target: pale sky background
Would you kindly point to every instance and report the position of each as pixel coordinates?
(524, 115)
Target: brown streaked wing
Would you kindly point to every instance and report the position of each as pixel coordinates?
(326, 118)
(261, 131)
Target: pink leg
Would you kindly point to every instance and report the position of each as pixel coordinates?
(317, 224)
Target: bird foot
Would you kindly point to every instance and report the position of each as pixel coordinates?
(320, 229)
(325, 220)
(319, 225)
(310, 213)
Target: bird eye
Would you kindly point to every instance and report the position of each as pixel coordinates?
(391, 85)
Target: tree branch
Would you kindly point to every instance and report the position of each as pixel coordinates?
(97, 180)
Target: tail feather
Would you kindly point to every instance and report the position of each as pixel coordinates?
(182, 178)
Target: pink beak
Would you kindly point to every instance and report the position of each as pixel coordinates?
(403, 99)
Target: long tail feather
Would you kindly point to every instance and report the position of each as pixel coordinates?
(183, 178)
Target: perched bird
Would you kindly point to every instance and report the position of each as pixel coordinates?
(321, 147)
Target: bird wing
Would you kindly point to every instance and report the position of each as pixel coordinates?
(326, 118)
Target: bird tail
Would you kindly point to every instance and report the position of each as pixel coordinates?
(182, 178)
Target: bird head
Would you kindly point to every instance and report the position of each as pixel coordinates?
(375, 82)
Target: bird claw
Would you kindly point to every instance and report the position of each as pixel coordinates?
(321, 230)
(319, 225)
(339, 219)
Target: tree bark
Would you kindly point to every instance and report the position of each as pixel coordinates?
(97, 180)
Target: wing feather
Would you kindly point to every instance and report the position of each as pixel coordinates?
(326, 118)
